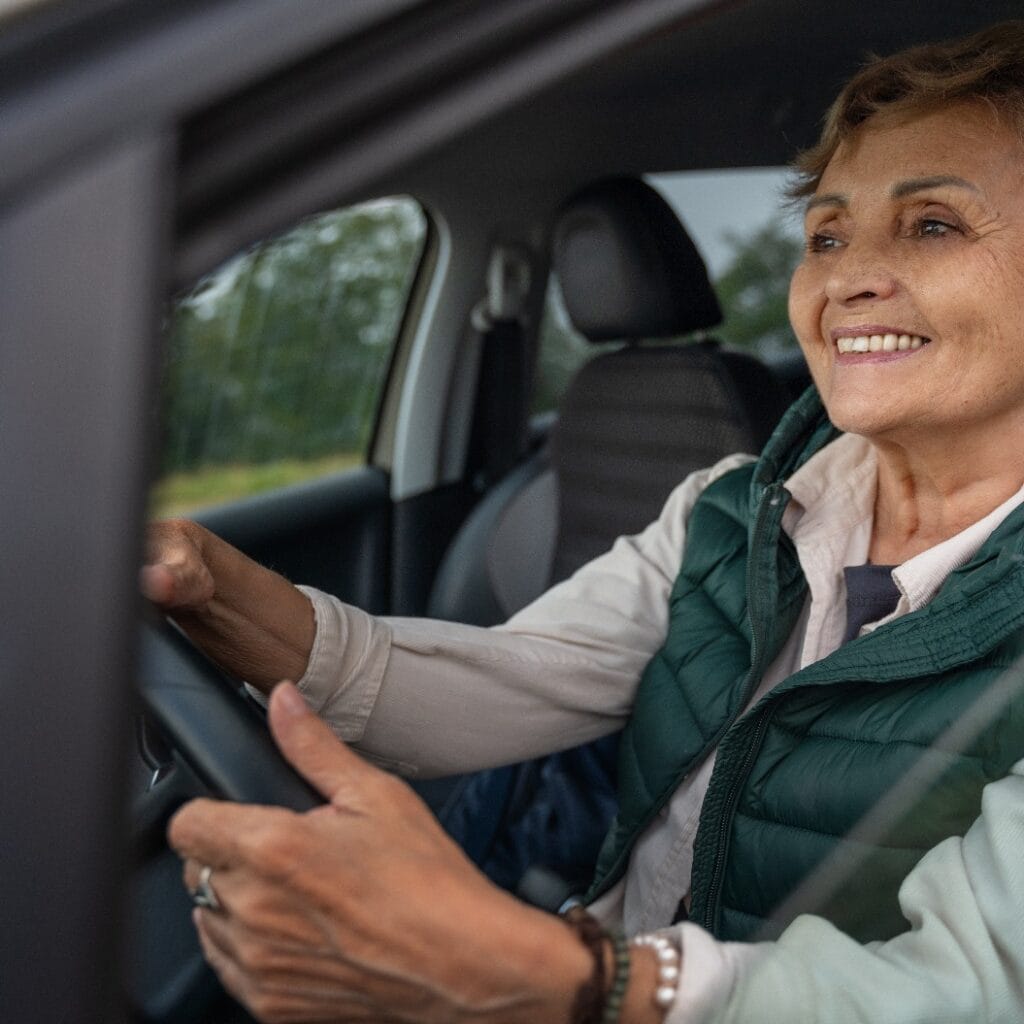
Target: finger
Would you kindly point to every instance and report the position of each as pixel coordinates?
(276, 983)
(222, 834)
(157, 584)
(232, 977)
(221, 880)
(247, 901)
(177, 583)
(216, 932)
(262, 951)
(312, 749)
(190, 872)
(175, 573)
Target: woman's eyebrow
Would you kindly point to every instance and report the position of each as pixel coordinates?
(899, 191)
(912, 185)
(827, 199)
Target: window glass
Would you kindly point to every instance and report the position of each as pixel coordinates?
(276, 361)
(750, 242)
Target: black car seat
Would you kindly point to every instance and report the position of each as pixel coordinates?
(631, 425)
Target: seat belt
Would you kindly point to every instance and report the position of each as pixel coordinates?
(501, 416)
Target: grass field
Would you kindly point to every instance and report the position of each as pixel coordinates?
(183, 493)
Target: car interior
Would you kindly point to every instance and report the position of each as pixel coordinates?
(632, 423)
(147, 151)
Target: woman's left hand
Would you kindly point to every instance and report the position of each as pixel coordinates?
(363, 909)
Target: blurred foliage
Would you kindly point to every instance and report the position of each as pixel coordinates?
(754, 288)
(282, 352)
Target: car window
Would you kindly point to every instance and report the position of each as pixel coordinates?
(276, 361)
(750, 241)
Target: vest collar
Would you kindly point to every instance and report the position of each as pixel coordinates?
(803, 431)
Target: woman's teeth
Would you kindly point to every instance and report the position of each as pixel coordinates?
(880, 343)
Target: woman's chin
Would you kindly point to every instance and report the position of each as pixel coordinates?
(864, 416)
(881, 423)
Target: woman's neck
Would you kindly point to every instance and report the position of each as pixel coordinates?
(929, 493)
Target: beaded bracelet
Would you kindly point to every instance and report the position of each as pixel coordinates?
(667, 952)
(593, 1004)
(588, 1006)
(620, 982)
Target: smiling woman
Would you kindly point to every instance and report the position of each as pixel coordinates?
(780, 644)
(916, 231)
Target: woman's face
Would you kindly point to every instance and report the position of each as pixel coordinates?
(915, 252)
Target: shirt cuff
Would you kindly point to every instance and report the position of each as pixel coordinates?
(346, 664)
(708, 972)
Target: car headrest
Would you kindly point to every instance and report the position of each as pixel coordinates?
(627, 267)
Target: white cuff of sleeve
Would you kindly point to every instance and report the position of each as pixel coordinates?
(708, 974)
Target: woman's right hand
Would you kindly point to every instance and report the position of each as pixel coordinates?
(250, 620)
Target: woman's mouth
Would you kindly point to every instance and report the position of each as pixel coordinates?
(880, 343)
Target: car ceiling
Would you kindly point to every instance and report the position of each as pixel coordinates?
(671, 85)
(726, 84)
(744, 84)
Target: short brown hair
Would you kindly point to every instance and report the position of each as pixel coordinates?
(987, 67)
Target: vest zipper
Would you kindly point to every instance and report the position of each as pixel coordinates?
(718, 868)
(768, 519)
(769, 515)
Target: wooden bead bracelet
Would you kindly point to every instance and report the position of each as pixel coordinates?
(599, 1002)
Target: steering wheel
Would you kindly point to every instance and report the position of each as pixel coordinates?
(208, 738)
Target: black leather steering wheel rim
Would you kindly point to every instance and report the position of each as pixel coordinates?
(212, 726)
(221, 747)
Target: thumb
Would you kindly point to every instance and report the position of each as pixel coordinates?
(310, 747)
(157, 584)
(176, 583)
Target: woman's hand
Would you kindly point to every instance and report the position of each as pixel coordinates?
(176, 576)
(250, 620)
(364, 909)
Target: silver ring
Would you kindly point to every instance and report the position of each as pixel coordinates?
(203, 894)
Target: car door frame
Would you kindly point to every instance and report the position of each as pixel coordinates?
(101, 215)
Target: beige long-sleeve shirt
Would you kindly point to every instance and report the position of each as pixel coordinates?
(430, 698)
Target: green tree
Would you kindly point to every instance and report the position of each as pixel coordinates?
(753, 289)
(281, 352)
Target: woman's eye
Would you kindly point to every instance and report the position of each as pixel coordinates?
(932, 226)
(818, 242)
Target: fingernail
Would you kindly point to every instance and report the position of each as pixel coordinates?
(291, 700)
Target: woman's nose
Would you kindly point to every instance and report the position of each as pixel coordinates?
(860, 271)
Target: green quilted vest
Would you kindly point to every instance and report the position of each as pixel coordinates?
(801, 768)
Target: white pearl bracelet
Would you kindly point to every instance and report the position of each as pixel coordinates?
(667, 952)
